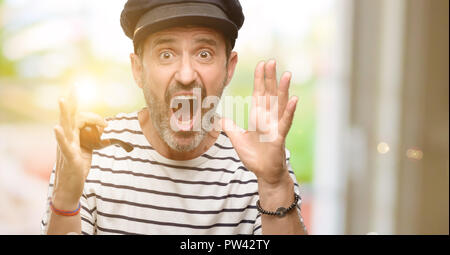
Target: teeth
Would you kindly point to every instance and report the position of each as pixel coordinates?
(187, 122)
(184, 97)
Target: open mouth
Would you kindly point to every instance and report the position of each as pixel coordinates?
(185, 112)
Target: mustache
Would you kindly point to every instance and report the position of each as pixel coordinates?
(178, 87)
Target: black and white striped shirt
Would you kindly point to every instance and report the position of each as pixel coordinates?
(142, 192)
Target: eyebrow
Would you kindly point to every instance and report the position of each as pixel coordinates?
(208, 41)
(165, 40)
(159, 41)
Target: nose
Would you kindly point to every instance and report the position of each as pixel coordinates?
(186, 73)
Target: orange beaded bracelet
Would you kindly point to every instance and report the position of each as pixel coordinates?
(65, 213)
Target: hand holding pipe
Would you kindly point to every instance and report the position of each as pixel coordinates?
(90, 140)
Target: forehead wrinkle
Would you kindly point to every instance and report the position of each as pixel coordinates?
(204, 40)
(169, 40)
(162, 40)
(207, 35)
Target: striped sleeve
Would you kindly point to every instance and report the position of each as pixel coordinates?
(47, 213)
(87, 215)
(297, 191)
(257, 229)
(87, 219)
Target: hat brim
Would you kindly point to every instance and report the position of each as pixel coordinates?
(182, 14)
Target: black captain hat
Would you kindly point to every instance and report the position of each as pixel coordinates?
(139, 18)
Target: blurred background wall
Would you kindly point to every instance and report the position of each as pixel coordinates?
(369, 141)
(397, 162)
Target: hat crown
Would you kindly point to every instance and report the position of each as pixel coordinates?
(134, 9)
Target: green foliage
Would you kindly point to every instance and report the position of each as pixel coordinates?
(7, 67)
(300, 140)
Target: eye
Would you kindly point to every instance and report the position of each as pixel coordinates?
(205, 55)
(165, 55)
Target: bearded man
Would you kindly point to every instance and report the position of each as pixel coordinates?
(189, 171)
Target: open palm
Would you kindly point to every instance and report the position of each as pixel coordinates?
(262, 147)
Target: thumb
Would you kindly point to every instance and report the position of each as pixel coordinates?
(234, 132)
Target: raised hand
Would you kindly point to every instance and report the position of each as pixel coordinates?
(73, 162)
(262, 148)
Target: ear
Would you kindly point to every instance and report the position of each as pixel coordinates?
(232, 61)
(136, 67)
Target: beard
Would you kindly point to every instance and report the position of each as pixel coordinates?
(160, 112)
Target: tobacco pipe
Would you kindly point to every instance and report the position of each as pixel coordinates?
(90, 139)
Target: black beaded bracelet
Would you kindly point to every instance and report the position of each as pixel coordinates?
(281, 211)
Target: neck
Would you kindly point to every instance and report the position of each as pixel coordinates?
(162, 148)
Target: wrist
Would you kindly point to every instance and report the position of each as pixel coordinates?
(281, 211)
(275, 195)
(64, 201)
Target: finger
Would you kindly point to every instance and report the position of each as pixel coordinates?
(264, 119)
(270, 78)
(288, 115)
(258, 89)
(58, 155)
(64, 119)
(90, 118)
(58, 166)
(62, 142)
(72, 105)
(234, 132)
(283, 92)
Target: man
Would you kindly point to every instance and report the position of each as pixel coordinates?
(180, 179)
